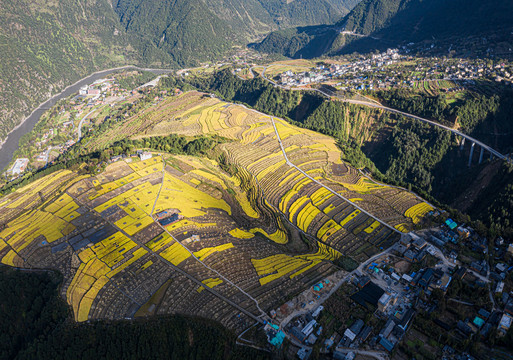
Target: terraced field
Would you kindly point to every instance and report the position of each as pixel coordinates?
(303, 202)
(234, 251)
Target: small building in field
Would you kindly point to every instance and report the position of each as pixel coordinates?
(317, 311)
(145, 155)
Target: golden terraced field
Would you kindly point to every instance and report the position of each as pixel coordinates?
(238, 235)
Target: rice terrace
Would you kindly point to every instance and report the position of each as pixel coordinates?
(229, 237)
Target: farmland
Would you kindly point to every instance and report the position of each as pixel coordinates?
(241, 242)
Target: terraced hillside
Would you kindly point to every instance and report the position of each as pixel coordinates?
(232, 250)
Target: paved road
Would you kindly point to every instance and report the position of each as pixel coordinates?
(183, 272)
(324, 297)
(439, 254)
(262, 313)
(326, 187)
(396, 187)
(380, 355)
(379, 106)
(244, 342)
(454, 131)
(153, 83)
(11, 143)
(320, 301)
(82, 122)
(461, 302)
(288, 162)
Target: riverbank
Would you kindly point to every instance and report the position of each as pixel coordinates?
(11, 142)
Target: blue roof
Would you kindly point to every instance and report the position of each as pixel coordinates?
(485, 314)
(278, 339)
(386, 344)
(451, 224)
(478, 321)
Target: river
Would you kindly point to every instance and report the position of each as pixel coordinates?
(12, 142)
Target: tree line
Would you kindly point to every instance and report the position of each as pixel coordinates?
(88, 163)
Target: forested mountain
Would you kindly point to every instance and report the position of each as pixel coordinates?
(388, 23)
(307, 12)
(417, 20)
(302, 42)
(192, 30)
(185, 29)
(371, 15)
(46, 46)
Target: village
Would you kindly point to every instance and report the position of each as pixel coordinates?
(59, 131)
(392, 69)
(397, 69)
(433, 287)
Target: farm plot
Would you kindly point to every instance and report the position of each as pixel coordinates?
(258, 151)
(108, 236)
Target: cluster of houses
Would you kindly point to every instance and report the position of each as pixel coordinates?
(396, 296)
(98, 88)
(394, 308)
(351, 72)
(373, 72)
(306, 329)
(504, 73)
(89, 96)
(474, 69)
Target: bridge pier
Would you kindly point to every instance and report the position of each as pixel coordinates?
(481, 156)
(462, 143)
(471, 154)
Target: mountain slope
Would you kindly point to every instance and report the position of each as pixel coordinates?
(48, 45)
(417, 20)
(305, 42)
(464, 23)
(200, 29)
(306, 12)
(387, 23)
(371, 15)
(184, 29)
(45, 46)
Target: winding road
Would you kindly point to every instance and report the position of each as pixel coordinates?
(382, 107)
(176, 268)
(326, 187)
(82, 122)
